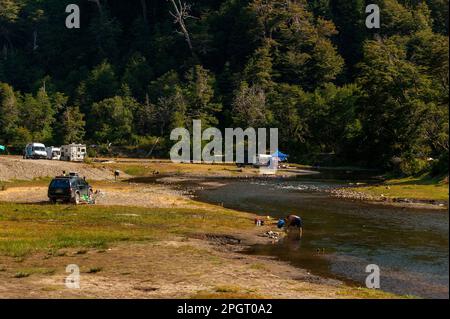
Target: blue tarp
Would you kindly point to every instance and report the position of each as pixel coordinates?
(2, 148)
(281, 156)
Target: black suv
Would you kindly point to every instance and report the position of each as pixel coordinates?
(70, 188)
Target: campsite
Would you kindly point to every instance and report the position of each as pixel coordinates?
(157, 217)
(229, 149)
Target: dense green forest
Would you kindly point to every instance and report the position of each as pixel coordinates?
(337, 91)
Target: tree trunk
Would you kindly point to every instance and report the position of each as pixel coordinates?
(180, 15)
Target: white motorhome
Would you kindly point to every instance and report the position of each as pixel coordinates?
(53, 153)
(73, 152)
(35, 151)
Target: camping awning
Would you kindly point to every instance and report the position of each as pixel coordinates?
(281, 156)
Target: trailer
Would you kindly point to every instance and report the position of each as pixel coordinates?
(73, 152)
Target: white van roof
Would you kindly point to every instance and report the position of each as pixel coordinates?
(37, 144)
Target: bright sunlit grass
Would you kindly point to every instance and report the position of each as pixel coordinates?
(422, 187)
(25, 229)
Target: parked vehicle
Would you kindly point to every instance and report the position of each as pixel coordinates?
(70, 188)
(262, 160)
(73, 152)
(53, 153)
(35, 151)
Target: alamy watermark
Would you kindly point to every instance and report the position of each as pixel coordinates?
(373, 279)
(373, 19)
(73, 19)
(241, 146)
(73, 280)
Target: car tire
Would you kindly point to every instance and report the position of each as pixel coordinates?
(76, 199)
(52, 200)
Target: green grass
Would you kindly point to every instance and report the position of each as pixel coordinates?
(424, 187)
(137, 170)
(25, 229)
(40, 181)
(366, 293)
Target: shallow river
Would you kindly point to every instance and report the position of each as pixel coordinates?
(410, 246)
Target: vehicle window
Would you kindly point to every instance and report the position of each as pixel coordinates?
(59, 183)
(73, 182)
(78, 182)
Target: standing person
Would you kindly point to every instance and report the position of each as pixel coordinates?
(291, 221)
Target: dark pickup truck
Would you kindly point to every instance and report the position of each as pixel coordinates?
(69, 189)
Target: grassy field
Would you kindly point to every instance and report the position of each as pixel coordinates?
(146, 168)
(143, 253)
(423, 188)
(41, 181)
(25, 229)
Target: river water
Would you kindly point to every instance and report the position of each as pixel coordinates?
(341, 237)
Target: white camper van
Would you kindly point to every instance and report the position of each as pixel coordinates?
(262, 160)
(53, 153)
(35, 151)
(73, 152)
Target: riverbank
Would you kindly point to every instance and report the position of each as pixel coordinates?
(138, 252)
(342, 237)
(141, 241)
(420, 192)
(149, 220)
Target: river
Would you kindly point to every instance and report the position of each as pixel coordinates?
(341, 237)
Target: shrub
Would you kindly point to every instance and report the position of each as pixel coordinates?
(414, 166)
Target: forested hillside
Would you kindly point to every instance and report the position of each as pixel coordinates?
(133, 72)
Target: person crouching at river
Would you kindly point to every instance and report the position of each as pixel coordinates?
(291, 221)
